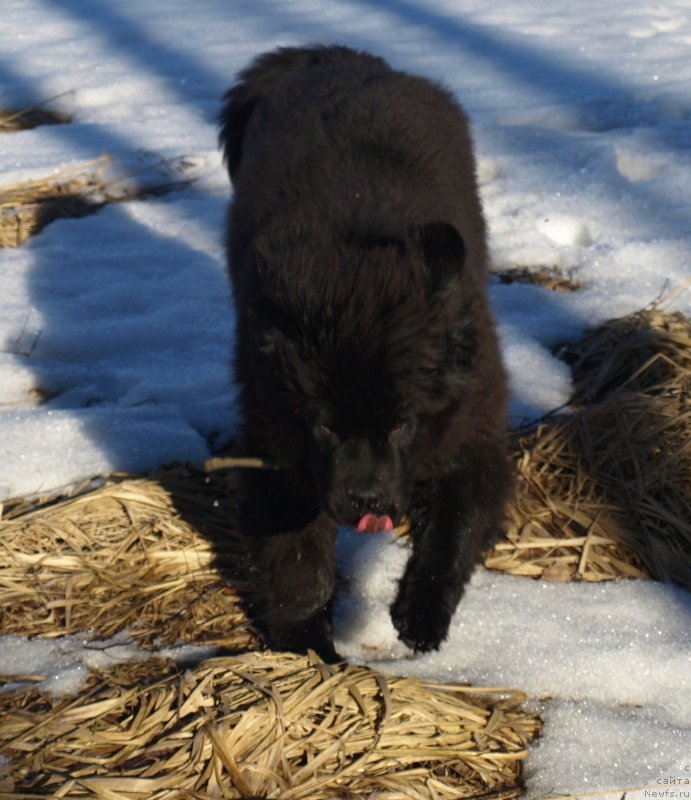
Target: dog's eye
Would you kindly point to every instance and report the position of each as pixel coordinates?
(327, 434)
(396, 429)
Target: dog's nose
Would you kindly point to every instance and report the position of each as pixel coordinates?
(369, 499)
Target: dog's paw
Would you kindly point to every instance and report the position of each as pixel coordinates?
(421, 620)
(313, 634)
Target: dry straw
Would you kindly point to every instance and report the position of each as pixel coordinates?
(33, 116)
(605, 492)
(264, 725)
(26, 208)
(156, 557)
(11, 121)
(550, 278)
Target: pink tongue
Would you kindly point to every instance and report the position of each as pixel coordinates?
(371, 523)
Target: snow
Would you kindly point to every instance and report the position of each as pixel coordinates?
(116, 331)
(615, 656)
(61, 666)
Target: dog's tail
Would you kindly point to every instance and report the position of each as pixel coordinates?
(261, 76)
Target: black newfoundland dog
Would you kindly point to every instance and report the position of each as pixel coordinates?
(366, 353)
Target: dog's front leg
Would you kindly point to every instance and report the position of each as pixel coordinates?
(295, 576)
(292, 551)
(456, 519)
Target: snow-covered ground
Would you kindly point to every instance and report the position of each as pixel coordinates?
(121, 321)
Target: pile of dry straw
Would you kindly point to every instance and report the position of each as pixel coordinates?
(263, 725)
(603, 493)
(26, 208)
(155, 557)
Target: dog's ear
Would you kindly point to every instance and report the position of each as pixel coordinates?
(442, 249)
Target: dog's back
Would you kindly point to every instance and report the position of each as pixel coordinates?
(262, 76)
(349, 146)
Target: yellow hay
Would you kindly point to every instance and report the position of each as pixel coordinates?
(263, 726)
(606, 492)
(156, 557)
(26, 208)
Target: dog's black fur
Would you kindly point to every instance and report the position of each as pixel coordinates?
(366, 353)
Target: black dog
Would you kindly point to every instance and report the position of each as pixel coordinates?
(366, 353)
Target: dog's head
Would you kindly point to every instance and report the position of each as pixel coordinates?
(363, 476)
(365, 349)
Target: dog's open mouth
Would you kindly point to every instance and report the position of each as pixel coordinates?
(371, 523)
